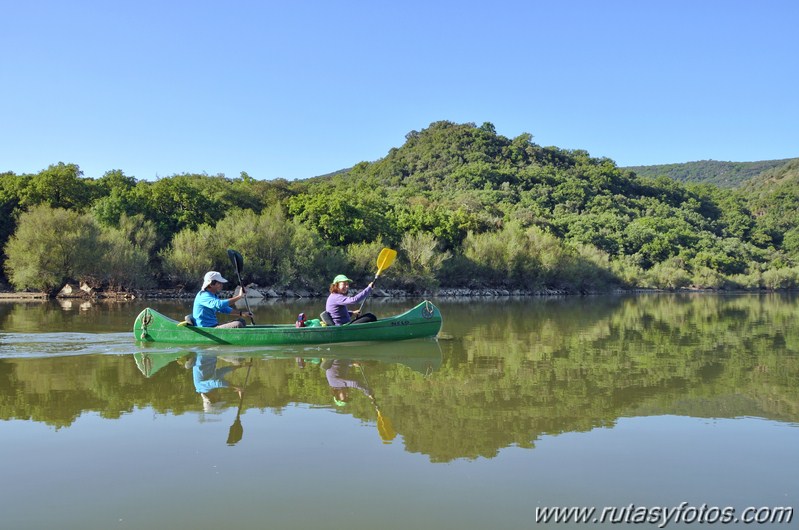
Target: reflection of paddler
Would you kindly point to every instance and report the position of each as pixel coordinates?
(337, 372)
(207, 377)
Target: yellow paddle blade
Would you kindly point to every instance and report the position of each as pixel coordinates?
(385, 429)
(385, 259)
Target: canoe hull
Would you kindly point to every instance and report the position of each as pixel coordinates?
(424, 320)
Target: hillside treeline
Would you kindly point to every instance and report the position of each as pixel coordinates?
(464, 206)
(718, 173)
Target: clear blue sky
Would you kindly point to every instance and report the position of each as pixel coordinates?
(298, 89)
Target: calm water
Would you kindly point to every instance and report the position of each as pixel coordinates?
(650, 401)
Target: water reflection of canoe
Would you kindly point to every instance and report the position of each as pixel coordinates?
(150, 363)
(424, 320)
(421, 355)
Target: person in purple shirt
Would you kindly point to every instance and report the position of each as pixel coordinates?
(338, 300)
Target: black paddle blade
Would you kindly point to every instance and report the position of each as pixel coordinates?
(236, 260)
(235, 433)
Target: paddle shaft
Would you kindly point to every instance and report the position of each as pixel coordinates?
(366, 382)
(234, 258)
(246, 378)
(246, 303)
(236, 431)
(364, 300)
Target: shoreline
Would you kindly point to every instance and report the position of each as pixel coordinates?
(271, 294)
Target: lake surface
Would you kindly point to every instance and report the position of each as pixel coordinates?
(674, 404)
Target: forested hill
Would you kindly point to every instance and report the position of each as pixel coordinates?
(493, 200)
(722, 174)
(463, 205)
(786, 174)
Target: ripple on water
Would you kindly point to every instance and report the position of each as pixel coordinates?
(14, 345)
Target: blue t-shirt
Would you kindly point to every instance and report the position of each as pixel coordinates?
(206, 306)
(206, 376)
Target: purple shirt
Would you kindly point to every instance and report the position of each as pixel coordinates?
(337, 377)
(337, 305)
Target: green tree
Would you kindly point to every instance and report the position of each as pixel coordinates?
(118, 198)
(264, 241)
(190, 255)
(177, 203)
(125, 265)
(139, 231)
(59, 186)
(128, 264)
(343, 218)
(52, 246)
(424, 260)
(517, 257)
(781, 278)
(602, 230)
(11, 187)
(315, 261)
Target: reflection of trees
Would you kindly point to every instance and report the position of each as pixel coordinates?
(509, 375)
(66, 315)
(557, 369)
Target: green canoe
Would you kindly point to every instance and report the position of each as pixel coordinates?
(424, 320)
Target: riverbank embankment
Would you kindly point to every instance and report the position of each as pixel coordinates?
(258, 293)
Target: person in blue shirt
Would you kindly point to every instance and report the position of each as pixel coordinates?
(207, 304)
(338, 300)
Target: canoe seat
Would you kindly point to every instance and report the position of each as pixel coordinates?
(325, 317)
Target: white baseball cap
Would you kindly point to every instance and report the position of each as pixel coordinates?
(211, 276)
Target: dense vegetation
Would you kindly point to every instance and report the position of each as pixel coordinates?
(463, 205)
(721, 174)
